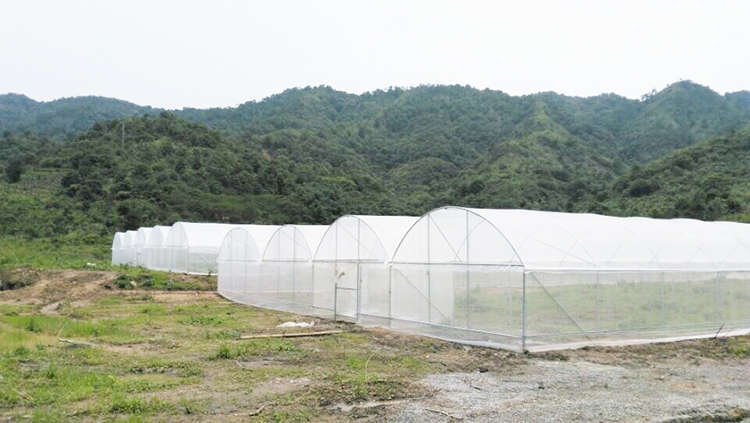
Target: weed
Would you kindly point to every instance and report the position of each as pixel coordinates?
(51, 372)
(33, 326)
(129, 405)
(205, 320)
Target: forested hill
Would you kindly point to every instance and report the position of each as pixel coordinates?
(709, 180)
(61, 118)
(311, 155)
(459, 121)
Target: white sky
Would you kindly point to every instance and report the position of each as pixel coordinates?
(177, 54)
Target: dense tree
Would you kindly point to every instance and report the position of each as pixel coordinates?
(14, 170)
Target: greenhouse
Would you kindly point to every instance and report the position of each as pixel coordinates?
(350, 241)
(194, 247)
(155, 251)
(128, 247)
(283, 277)
(141, 240)
(117, 248)
(530, 280)
(239, 259)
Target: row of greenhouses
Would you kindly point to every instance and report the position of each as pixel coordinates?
(513, 279)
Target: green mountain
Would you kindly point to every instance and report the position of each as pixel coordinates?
(61, 118)
(462, 122)
(310, 155)
(709, 180)
(680, 115)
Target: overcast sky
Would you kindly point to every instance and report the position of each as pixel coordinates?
(178, 54)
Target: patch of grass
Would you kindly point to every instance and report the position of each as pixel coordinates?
(280, 349)
(741, 349)
(140, 278)
(57, 253)
(156, 365)
(206, 320)
(130, 405)
(62, 326)
(15, 309)
(153, 309)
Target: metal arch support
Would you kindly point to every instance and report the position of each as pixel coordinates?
(739, 241)
(637, 235)
(700, 246)
(578, 241)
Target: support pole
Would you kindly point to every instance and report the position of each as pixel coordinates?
(598, 302)
(335, 299)
(661, 299)
(718, 297)
(468, 285)
(390, 294)
(429, 278)
(523, 314)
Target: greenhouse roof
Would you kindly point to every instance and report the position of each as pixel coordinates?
(142, 236)
(552, 241)
(188, 234)
(294, 242)
(344, 240)
(158, 236)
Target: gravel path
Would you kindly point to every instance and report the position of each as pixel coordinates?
(562, 391)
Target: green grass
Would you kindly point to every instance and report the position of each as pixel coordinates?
(55, 253)
(155, 361)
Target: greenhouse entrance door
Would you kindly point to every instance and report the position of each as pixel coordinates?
(346, 295)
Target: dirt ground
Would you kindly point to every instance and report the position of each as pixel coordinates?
(374, 374)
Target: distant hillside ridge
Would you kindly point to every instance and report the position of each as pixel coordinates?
(471, 120)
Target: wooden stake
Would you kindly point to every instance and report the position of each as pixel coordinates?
(292, 335)
(70, 341)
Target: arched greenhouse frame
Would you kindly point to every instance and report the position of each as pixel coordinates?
(239, 260)
(194, 247)
(530, 280)
(155, 251)
(353, 244)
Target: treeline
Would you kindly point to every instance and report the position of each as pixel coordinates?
(311, 155)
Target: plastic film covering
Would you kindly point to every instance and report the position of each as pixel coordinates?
(154, 253)
(128, 248)
(194, 247)
(141, 240)
(349, 241)
(117, 250)
(283, 279)
(239, 260)
(528, 280)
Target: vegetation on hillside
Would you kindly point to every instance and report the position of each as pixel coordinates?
(709, 181)
(310, 155)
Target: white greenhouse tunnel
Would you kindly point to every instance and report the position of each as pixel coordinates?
(256, 268)
(239, 258)
(141, 240)
(514, 279)
(193, 248)
(117, 248)
(530, 280)
(128, 248)
(351, 245)
(155, 251)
